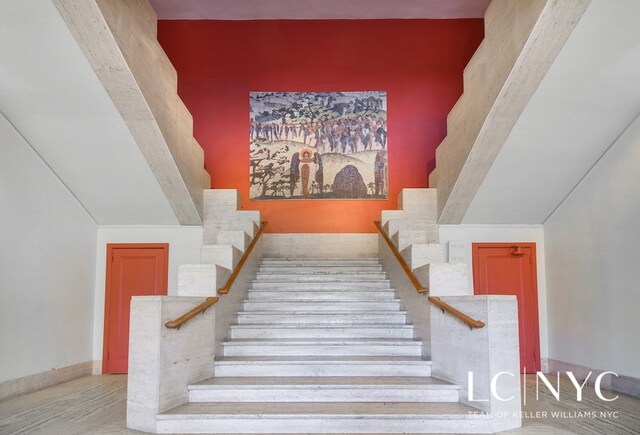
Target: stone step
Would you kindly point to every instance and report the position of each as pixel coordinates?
(245, 220)
(324, 389)
(404, 224)
(238, 238)
(326, 295)
(321, 366)
(320, 269)
(321, 277)
(324, 318)
(323, 347)
(217, 200)
(269, 331)
(336, 285)
(420, 200)
(405, 238)
(226, 256)
(334, 417)
(320, 305)
(323, 262)
(420, 254)
(201, 279)
(385, 215)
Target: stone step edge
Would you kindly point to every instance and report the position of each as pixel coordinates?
(298, 315)
(314, 387)
(321, 326)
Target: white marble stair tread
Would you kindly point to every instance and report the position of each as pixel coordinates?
(325, 359)
(356, 410)
(321, 296)
(324, 389)
(317, 272)
(321, 365)
(316, 287)
(301, 381)
(320, 259)
(300, 330)
(322, 346)
(324, 417)
(297, 285)
(321, 305)
(342, 341)
(319, 325)
(306, 277)
(325, 317)
(311, 290)
(319, 263)
(320, 269)
(347, 276)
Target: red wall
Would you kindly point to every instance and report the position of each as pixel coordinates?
(418, 62)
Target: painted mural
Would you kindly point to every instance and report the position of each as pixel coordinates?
(318, 145)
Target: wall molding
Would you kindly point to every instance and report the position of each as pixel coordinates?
(38, 381)
(626, 385)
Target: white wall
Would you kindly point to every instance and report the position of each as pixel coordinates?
(47, 265)
(185, 243)
(593, 267)
(468, 234)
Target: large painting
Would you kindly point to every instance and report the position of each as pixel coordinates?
(318, 145)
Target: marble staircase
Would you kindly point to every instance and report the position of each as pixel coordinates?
(322, 346)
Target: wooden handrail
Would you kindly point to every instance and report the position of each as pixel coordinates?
(177, 323)
(472, 323)
(224, 290)
(419, 288)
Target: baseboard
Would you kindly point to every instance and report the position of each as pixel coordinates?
(320, 245)
(31, 383)
(626, 385)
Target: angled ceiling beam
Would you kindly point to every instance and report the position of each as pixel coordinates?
(118, 37)
(522, 39)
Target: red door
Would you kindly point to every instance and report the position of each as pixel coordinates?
(132, 270)
(510, 269)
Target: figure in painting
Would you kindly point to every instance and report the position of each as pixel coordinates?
(317, 158)
(294, 173)
(380, 172)
(307, 167)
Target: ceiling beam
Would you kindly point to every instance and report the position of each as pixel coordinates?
(118, 37)
(522, 40)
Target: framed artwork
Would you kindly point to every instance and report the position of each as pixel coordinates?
(318, 145)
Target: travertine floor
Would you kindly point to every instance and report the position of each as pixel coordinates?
(96, 405)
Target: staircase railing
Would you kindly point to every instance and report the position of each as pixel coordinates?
(224, 290)
(414, 280)
(455, 313)
(177, 323)
(472, 323)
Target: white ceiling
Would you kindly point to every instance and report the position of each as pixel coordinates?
(317, 9)
(51, 95)
(589, 96)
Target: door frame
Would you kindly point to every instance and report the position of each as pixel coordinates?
(107, 290)
(534, 280)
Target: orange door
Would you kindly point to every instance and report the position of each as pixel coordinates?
(510, 269)
(132, 270)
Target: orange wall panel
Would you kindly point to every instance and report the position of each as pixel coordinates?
(418, 62)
